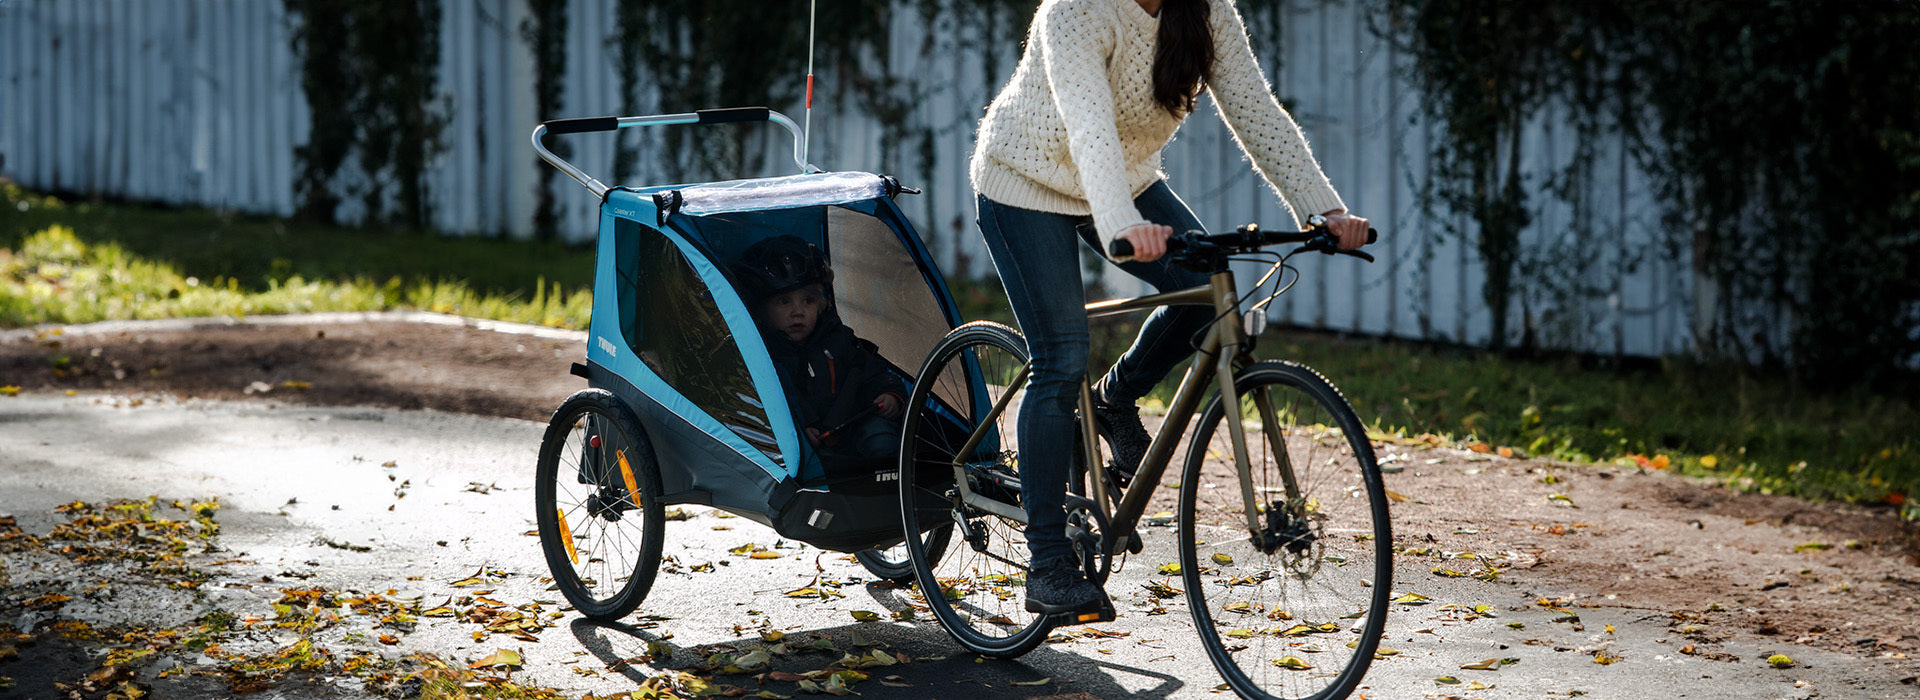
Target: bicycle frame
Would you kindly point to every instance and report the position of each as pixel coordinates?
(1221, 354)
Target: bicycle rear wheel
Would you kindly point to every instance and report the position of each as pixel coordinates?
(977, 589)
(1291, 606)
(594, 500)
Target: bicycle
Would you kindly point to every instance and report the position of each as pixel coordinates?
(1285, 544)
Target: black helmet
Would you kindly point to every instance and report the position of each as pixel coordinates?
(782, 264)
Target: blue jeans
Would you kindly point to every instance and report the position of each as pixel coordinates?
(1038, 257)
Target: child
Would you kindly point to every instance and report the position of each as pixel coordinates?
(843, 395)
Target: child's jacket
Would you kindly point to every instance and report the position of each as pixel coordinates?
(832, 376)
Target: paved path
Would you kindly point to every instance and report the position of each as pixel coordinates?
(418, 503)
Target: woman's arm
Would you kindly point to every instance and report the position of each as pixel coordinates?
(1264, 130)
(1076, 41)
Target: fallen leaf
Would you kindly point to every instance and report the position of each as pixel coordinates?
(1487, 665)
(1043, 681)
(1293, 662)
(1780, 661)
(500, 658)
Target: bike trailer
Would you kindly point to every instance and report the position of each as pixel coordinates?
(674, 338)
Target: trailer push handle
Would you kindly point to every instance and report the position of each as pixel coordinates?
(729, 115)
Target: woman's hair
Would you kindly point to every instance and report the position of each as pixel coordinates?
(1183, 61)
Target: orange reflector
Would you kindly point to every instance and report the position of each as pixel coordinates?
(1088, 617)
(566, 536)
(626, 473)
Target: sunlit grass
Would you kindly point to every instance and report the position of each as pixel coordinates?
(55, 278)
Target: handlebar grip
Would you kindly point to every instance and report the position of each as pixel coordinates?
(1120, 249)
(581, 125)
(1372, 235)
(729, 115)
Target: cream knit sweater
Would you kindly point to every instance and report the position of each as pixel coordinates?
(1076, 131)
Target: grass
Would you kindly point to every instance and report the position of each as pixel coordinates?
(75, 263)
(1756, 433)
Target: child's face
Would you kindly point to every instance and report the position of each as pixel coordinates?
(795, 312)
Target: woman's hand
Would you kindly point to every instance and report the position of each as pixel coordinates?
(1350, 229)
(888, 405)
(1150, 240)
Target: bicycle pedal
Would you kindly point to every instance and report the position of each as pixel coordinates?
(1103, 612)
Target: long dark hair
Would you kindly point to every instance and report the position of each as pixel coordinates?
(1183, 60)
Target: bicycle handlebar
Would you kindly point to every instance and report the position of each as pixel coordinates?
(1246, 239)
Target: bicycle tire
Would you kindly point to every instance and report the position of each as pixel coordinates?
(595, 500)
(976, 590)
(1277, 620)
(896, 563)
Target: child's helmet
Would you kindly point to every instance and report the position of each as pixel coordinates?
(781, 264)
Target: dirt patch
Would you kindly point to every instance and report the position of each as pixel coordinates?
(388, 364)
(1834, 576)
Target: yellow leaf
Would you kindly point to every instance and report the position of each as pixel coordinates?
(499, 658)
(1240, 633)
(1413, 599)
(9, 390)
(1780, 660)
(1396, 497)
(1447, 680)
(1709, 461)
(1222, 559)
(1487, 665)
(865, 615)
(1170, 569)
(763, 554)
(1293, 662)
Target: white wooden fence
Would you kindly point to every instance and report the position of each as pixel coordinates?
(199, 102)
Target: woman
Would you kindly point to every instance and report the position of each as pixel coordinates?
(1070, 151)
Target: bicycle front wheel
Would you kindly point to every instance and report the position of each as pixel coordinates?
(1289, 603)
(595, 502)
(977, 589)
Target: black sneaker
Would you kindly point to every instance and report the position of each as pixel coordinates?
(1061, 589)
(1120, 425)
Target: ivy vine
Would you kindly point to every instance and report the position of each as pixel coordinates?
(1783, 139)
(545, 31)
(370, 72)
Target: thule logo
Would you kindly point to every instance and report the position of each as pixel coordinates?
(887, 476)
(609, 347)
